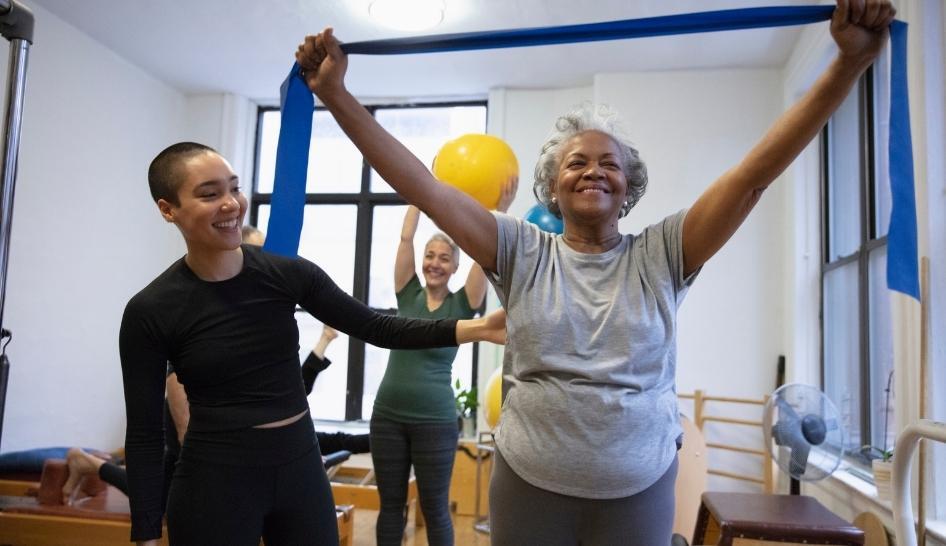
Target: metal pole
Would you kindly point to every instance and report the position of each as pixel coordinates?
(16, 88)
(16, 25)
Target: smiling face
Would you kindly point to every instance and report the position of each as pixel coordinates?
(439, 263)
(210, 205)
(590, 185)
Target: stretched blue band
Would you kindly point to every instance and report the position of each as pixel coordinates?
(292, 156)
(902, 267)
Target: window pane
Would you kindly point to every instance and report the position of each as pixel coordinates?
(882, 403)
(266, 163)
(841, 348)
(327, 400)
(385, 236)
(882, 198)
(425, 130)
(844, 176)
(376, 361)
(328, 239)
(335, 164)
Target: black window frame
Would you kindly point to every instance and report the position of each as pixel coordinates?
(869, 242)
(365, 201)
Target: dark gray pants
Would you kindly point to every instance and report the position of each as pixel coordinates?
(521, 514)
(431, 448)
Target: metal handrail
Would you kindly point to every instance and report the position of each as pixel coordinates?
(902, 459)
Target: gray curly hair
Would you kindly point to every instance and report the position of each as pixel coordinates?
(588, 117)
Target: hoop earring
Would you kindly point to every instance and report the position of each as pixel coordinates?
(554, 199)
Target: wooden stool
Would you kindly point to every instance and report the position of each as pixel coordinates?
(750, 519)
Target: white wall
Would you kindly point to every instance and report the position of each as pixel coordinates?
(227, 123)
(86, 235)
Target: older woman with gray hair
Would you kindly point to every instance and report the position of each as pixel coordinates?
(588, 118)
(414, 419)
(587, 438)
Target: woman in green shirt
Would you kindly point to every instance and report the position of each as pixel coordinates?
(414, 420)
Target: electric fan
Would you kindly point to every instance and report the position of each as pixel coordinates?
(803, 433)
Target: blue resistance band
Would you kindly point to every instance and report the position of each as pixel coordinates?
(292, 154)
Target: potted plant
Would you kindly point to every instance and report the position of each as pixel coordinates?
(466, 409)
(882, 465)
(880, 458)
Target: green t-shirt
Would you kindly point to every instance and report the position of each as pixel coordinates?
(416, 385)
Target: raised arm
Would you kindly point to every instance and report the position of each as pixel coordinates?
(404, 267)
(469, 224)
(475, 286)
(859, 28)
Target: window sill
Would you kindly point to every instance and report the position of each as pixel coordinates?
(935, 528)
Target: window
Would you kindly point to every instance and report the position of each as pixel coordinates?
(857, 346)
(351, 228)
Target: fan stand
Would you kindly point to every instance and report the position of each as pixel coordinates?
(794, 486)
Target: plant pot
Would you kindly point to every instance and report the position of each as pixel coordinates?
(467, 427)
(883, 478)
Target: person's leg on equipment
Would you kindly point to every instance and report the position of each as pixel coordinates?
(81, 464)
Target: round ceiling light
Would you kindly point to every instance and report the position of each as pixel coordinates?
(407, 14)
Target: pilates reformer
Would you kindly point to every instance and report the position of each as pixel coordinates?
(32, 512)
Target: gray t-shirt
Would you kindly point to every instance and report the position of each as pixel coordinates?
(590, 408)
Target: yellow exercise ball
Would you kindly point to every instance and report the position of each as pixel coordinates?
(477, 165)
(494, 397)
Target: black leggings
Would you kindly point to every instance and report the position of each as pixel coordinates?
(254, 494)
(523, 514)
(432, 448)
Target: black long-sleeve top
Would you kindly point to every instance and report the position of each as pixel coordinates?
(234, 345)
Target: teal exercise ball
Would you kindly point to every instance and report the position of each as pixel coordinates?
(540, 216)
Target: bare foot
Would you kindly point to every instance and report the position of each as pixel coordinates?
(80, 465)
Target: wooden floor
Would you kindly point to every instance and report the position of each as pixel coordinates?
(464, 535)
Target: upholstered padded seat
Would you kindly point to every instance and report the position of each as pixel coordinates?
(727, 517)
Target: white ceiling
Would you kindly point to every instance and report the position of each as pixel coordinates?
(246, 46)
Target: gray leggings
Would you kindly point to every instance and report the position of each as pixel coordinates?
(521, 514)
(431, 448)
